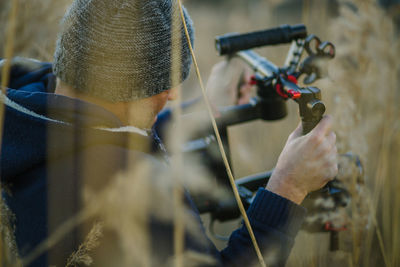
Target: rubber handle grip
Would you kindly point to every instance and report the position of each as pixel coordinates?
(312, 116)
(308, 126)
(233, 42)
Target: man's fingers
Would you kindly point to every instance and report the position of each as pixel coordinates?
(331, 139)
(320, 131)
(332, 172)
(332, 163)
(297, 132)
(244, 94)
(326, 146)
(323, 127)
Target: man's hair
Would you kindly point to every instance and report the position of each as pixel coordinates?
(120, 50)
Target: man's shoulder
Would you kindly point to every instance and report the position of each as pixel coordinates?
(27, 71)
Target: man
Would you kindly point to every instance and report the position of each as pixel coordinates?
(89, 125)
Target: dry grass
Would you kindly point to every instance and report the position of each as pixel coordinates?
(367, 115)
(37, 26)
(362, 93)
(7, 230)
(82, 255)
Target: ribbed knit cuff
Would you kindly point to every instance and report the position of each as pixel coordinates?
(274, 211)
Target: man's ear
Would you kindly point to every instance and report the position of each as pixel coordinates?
(173, 93)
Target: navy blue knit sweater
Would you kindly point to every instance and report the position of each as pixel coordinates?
(34, 170)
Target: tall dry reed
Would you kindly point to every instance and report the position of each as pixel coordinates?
(6, 255)
(37, 26)
(363, 96)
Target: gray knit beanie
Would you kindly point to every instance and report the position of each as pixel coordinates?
(120, 50)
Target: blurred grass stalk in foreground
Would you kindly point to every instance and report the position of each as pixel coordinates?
(5, 250)
(365, 95)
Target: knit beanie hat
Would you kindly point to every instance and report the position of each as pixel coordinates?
(120, 50)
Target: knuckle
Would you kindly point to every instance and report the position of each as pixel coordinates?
(328, 178)
(332, 160)
(333, 137)
(326, 151)
(334, 171)
(331, 170)
(332, 155)
(325, 178)
(328, 119)
(316, 139)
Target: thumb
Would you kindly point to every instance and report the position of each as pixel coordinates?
(297, 132)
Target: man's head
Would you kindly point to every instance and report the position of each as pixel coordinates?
(120, 50)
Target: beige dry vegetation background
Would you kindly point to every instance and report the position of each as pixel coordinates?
(362, 92)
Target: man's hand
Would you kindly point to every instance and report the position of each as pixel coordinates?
(306, 163)
(229, 83)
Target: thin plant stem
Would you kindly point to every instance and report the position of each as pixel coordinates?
(176, 137)
(221, 148)
(396, 217)
(60, 232)
(378, 233)
(381, 176)
(5, 78)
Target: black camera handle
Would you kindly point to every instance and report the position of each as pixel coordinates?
(233, 42)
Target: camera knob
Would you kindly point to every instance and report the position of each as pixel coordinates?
(316, 107)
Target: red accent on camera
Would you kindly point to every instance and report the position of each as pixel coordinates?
(278, 88)
(292, 79)
(291, 93)
(253, 80)
(294, 94)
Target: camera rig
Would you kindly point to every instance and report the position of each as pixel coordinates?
(275, 85)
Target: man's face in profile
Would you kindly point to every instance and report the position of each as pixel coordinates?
(144, 112)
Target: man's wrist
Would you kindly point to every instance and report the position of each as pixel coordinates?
(279, 185)
(271, 210)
